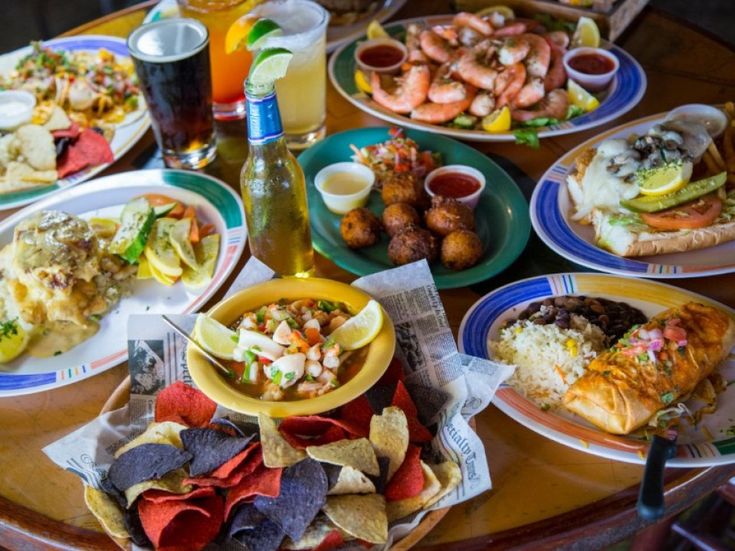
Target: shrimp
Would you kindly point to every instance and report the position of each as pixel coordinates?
(532, 92)
(557, 75)
(557, 38)
(482, 105)
(475, 22)
(411, 91)
(513, 50)
(448, 33)
(469, 37)
(538, 58)
(473, 68)
(413, 44)
(554, 105)
(509, 83)
(444, 89)
(435, 47)
(513, 29)
(438, 113)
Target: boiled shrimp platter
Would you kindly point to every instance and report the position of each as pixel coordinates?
(550, 107)
(706, 443)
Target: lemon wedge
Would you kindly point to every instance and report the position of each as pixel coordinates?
(580, 97)
(362, 82)
(237, 34)
(160, 253)
(206, 251)
(497, 121)
(160, 277)
(505, 11)
(144, 269)
(214, 337)
(586, 34)
(376, 30)
(664, 179)
(361, 329)
(13, 340)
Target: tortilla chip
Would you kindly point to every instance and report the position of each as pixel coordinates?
(358, 454)
(184, 404)
(211, 449)
(277, 452)
(146, 462)
(409, 478)
(159, 496)
(20, 176)
(449, 475)
(261, 482)
(173, 482)
(37, 146)
(351, 481)
(90, 149)
(314, 430)
(358, 412)
(363, 517)
(156, 433)
(317, 532)
(187, 524)
(106, 511)
(417, 432)
(389, 437)
(399, 509)
(57, 120)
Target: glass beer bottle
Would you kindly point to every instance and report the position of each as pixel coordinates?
(274, 191)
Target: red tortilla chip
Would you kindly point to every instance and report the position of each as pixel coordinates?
(314, 430)
(357, 412)
(226, 469)
(262, 482)
(159, 496)
(417, 432)
(332, 541)
(393, 374)
(248, 463)
(90, 149)
(408, 480)
(182, 525)
(72, 132)
(184, 404)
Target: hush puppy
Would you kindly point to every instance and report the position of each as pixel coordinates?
(398, 216)
(447, 215)
(412, 244)
(360, 228)
(461, 249)
(404, 187)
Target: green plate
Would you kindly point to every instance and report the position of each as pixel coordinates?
(501, 215)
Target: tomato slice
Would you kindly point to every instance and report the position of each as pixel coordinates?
(158, 199)
(696, 214)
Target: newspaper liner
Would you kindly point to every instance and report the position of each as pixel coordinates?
(448, 387)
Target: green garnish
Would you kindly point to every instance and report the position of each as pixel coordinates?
(309, 378)
(527, 136)
(327, 305)
(574, 111)
(249, 357)
(539, 121)
(667, 397)
(329, 343)
(334, 383)
(230, 374)
(260, 314)
(9, 328)
(642, 357)
(292, 323)
(290, 375)
(276, 377)
(234, 338)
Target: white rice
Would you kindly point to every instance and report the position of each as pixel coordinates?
(547, 358)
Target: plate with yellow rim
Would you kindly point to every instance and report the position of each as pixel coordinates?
(711, 442)
(551, 216)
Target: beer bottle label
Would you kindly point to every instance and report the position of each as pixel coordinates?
(263, 118)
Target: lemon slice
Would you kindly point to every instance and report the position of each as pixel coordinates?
(580, 97)
(159, 251)
(13, 340)
(262, 30)
(214, 337)
(160, 277)
(207, 251)
(586, 34)
(505, 11)
(497, 121)
(360, 330)
(144, 269)
(362, 82)
(104, 227)
(179, 239)
(237, 35)
(664, 179)
(376, 30)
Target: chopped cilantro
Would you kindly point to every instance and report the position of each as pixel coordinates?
(334, 383)
(527, 136)
(292, 323)
(9, 328)
(327, 305)
(329, 343)
(276, 376)
(289, 376)
(667, 397)
(309, 378)
(642, 357)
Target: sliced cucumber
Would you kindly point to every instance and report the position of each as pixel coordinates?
(689, 192)
(163, 210)
(136, 221)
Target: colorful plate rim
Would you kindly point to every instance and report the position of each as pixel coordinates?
(216, 193)
(355, 263)
(138, 126)
(628, 87)
(552, 226)
(478, 320)
(340, 34)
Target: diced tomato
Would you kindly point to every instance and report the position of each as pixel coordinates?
(177, 211)
(699, 213)
(205, 230)
(191, 213)
(313, 335)
(158, 199)
(237, 368)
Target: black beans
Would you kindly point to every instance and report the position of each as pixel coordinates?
(613, 318)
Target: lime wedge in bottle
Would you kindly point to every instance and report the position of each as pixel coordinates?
(269, 66)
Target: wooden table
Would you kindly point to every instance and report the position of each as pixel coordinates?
(544, 494)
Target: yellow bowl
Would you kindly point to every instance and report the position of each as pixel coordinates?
(209, 380)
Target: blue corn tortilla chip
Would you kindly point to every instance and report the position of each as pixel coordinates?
(332, 472)
(246, 517)
(108, 487)
(241, 428)
(210, 448)
(146, 462)
(380, 397)
(381, 481)
(303, 493)
(135, 527)
(266, 536)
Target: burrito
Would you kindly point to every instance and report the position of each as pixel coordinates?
(652, 367)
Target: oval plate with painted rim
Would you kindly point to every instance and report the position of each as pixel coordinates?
(127, 132)
(501, 215)
(711, 443)
(624, 93)
(551, 209)
(215, 203)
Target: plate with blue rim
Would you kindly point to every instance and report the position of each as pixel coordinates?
(624, 93)
(501, 216)
(215, 203)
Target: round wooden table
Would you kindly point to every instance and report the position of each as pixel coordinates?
(544, 495)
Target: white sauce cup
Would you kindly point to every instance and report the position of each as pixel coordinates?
(342, 203)
(16, 108)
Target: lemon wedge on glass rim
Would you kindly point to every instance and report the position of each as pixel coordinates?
(361, 329)
(664, 179)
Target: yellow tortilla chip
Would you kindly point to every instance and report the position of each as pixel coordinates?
(106, 511)
(37, 146)
(351, 481)
(277, 452)
(389, 436)
(172, 482)
(19, 176)
(358, 454)
(449, 476)
(57, 120)
(362, 517)
(156, 433)
(404, 507)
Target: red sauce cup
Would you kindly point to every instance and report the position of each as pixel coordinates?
(588, 81)
(375, 55)
(461, 191)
